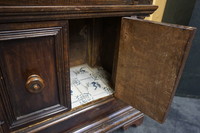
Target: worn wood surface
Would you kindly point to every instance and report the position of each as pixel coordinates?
(41, 13)
(110, 110)
(133, 123)
(53, 64)
(78, 41)
(64, 2)
(150, 61)
(29, 49)
(143, 2)
(94, 42)
(110, 39)
(71, 2)
(112, 122)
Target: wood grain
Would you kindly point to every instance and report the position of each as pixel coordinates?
(27, 51)
(143, 2)
(33, 13)
(64, 2)
(108, 110)
(19, 60)
(150, 61)
(112, 122)
(95, 41)
(110, 40)
(78, 41)
(71, 2)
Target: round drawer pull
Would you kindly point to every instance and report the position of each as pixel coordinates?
(35, 84)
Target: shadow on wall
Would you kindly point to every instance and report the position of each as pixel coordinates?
(187, 12)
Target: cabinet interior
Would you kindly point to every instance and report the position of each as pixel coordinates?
(93, 45)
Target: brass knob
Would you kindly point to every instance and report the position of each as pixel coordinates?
(35, 84)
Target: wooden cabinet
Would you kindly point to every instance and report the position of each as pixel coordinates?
(41, 45)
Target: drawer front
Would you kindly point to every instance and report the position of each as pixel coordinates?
(34, 68)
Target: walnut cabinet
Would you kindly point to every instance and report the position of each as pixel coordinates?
(86, 66)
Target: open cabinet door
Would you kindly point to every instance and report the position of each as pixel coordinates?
(150, 62)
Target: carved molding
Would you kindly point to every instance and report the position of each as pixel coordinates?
(29, 33)
(26, 13)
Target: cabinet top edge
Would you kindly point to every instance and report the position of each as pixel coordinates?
(45, 13)
(72, 2)
(76, 9)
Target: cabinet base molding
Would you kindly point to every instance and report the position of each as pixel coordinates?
(106, 115)
(124, 118)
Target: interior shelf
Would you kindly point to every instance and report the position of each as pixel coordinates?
(88, 84)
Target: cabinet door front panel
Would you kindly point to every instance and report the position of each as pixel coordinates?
(34, 66)
(150, 61)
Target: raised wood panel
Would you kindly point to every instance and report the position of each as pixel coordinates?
(63, 2)
(26, 57)
(33, 50)
(150, 62)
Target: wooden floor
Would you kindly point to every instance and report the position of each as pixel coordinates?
(184, 117)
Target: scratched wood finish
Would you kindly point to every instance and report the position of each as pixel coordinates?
(34, 49)
(150, 62)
